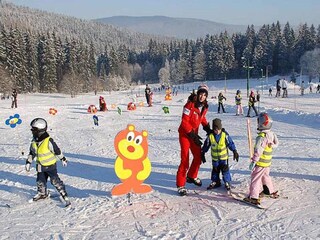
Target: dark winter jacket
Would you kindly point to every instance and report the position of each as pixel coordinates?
(252, 100)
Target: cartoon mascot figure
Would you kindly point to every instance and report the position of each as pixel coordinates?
(132, 165)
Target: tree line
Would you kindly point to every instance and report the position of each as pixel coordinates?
(42, 61)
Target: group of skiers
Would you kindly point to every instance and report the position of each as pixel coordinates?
(252, 100)
(220, 142)
(282, 84)
(14, 98)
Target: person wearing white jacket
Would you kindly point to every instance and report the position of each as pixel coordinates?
(284, 88)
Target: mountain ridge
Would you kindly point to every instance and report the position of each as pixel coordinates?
(172, 27)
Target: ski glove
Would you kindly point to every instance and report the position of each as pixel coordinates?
(207, 128)
(28, 166)
(195, 137)
(64, 162)
(252, 165)
(235, 155)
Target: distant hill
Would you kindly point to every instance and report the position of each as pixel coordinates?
(172, 27)
(102, 35)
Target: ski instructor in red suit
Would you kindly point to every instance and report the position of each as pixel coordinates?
(194, 114)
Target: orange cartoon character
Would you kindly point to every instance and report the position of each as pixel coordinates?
(132, 164)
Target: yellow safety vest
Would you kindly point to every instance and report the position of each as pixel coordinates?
(219, 151)
(44, 156)
(265, 158)
(238, 99)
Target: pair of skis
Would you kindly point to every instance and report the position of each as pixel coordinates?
(240, 197)
(49, 195)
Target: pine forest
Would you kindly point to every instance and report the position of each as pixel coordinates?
(46, 52)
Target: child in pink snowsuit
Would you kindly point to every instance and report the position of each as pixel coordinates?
(266, 141)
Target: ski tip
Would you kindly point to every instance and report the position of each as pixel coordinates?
(6, 205)
(67, 205)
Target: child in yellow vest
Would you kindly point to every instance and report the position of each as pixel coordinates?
(260, 164)
(46, 151)
(238, 99)
(219, 141)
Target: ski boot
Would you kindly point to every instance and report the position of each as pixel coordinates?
(66, 200)
(214, 185)
(182, 191)
(40, 196)
(267, 193)
(227, 186)
(195, 181)
(255, 201)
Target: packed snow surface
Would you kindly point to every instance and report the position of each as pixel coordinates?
(161, 214)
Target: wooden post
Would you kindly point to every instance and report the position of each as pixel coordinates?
(249, 138)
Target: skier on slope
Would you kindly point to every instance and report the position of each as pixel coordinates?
(102, 104)
(147, 92)
(260, 164)
(219, 141)
(14, 97)
(278, 87)
(46, 151)
(150, 99)
(194, 114)
(238, 99)
(220, 102)
(251, 101)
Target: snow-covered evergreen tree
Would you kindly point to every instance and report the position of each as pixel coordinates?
(164, 74)
(289, 42)
(49, 66)
(262, 49)
(30, 63)
(310, 63)
(199, 68)
(226, 55)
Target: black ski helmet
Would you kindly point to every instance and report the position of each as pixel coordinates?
(38, 127)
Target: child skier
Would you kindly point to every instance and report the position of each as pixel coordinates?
(251, 101)
(220, 102)
(46, 151)
(238, 99)
(261, 161)
(219, 141)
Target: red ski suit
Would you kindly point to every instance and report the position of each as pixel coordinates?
(192, 117)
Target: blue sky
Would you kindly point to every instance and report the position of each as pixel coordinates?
(242, 12)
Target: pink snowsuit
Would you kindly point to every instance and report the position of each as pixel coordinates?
(260, 175)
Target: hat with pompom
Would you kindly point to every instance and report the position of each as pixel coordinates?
(203, 89)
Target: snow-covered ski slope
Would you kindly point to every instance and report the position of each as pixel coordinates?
(162, 214)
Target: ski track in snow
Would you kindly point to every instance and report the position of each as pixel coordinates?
(161, 214)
